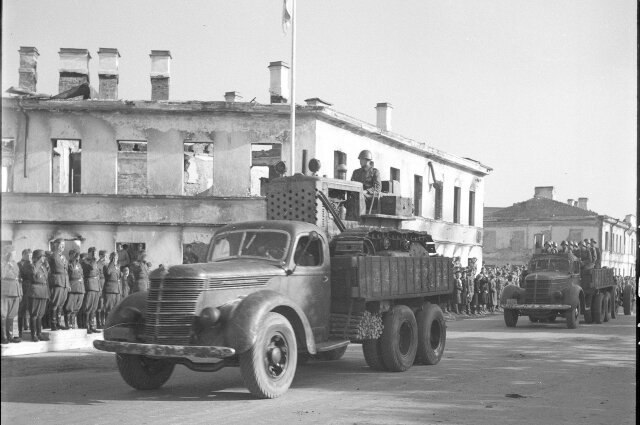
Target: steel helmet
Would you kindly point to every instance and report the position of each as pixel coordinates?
(365, 155)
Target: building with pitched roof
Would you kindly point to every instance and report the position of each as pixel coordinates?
(512, 234)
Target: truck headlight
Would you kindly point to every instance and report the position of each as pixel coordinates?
(209, 316)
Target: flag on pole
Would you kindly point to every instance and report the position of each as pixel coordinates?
(286, 16)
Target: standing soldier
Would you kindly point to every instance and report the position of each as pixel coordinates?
(124, 259)
(59, 284)
(112, 284)
(26, 278)
(596, 254)
(11, 292)
(76, 290)
(457, 295)
(140, 272)
(189, 256)
(92, 290)
(102, 262)
(38, 295)
(368, 176)
(126, 282)
(464, 296)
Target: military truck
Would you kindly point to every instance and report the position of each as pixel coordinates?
(557, 285)
(303, 283)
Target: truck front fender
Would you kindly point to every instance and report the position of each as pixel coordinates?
(243, 326)
(573, 293)
(512, 291)
(126, 320)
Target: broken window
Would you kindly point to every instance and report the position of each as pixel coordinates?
(8, 153)
(472, 208)
(417, 194)
(198, 169)
(132, 167)
(128, 252)
(395, 174)
(65, 170)
(438, 201)
(456, 204)
(263, 158)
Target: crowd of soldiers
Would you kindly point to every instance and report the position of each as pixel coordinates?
(47, 287)
(481, 294)
(586, 251)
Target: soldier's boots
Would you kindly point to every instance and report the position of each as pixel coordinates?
(34, 337)
(59, 320)
(39, 331)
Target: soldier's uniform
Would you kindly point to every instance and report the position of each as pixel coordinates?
(76, 294)
(102, 261)
(38, 296)
(126, 282)
(59, 289)
(140, 272)
(11, 292)
(370, 179)
(26, 278)
(596, 254)
(111, 287)
(92, 290)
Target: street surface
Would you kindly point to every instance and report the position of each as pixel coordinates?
(533, 374)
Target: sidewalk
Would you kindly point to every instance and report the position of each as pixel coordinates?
(58, 340)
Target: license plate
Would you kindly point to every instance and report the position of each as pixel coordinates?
(511, 301)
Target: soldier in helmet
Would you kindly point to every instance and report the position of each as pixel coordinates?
(368, 176)
(596, 253)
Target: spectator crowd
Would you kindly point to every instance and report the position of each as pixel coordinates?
(46, 289)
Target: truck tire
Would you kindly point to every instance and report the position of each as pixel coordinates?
(597, 305)
(143, 373)
(432, 334)
(269, 366)
(607, 307)
(626, 299)
(533, 319)
(399, 341)
(587, 316)
(510, 317)
(372, 350)
(335, 354)
(573, 315)
(552, 319)
(614, 304)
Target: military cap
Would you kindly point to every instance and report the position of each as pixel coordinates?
(92, 249)
(26, 251)
(102, 252)
(581, 243)
(547, 243)
(37, 254)
(554, 244)
(563, 243)
(593, 242)
(72, 252)
(365, 154)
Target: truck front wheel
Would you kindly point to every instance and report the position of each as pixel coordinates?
(399, 339)
(144, 373)
(626, 299)
(432, 334)
(597, 309)
(607, 307)
(510, 317)
(573, 315)
(269, 366)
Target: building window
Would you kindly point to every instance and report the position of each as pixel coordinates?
(575, 235)
(517, 240)
(456, 204)
(8, 154)
(438, 201)
(417, 194)
(606, 241)
(132, 167)
(198, 169)
(489, 241)
(132, 249)
(65, 169)
(538, 240)
(394, 174)
(472, 208)
(263, 158)
(339, 158)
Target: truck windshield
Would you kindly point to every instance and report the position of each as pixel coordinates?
(549, 264)
(263, 244)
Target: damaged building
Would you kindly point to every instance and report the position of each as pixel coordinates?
(159, 174)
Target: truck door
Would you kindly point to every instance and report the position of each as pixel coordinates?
(309, 285)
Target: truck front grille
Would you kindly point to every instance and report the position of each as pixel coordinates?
(537, 292)
(171, 305)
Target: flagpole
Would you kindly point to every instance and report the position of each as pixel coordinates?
(293, 86)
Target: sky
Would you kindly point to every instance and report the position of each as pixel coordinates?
(543, 92)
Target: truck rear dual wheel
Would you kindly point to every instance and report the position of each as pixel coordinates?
(269, 366)
(432, 334)
(144, 373)
(606, 302)
(597, 309)
(399, 339)
(510, 317)
(627, 298)
(372, 350)
(573, 315)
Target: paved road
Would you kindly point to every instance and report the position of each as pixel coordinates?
(533, 374)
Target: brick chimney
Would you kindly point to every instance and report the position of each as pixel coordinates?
(160, 73)
(582, 203)
(279, 82)
(570, 202)
(108, 73)
(383, 116)
(28, 78)
(232, 96)
(543, 192)
(74, 68)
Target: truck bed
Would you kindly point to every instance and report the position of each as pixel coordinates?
(376, 278)
(597, 279)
